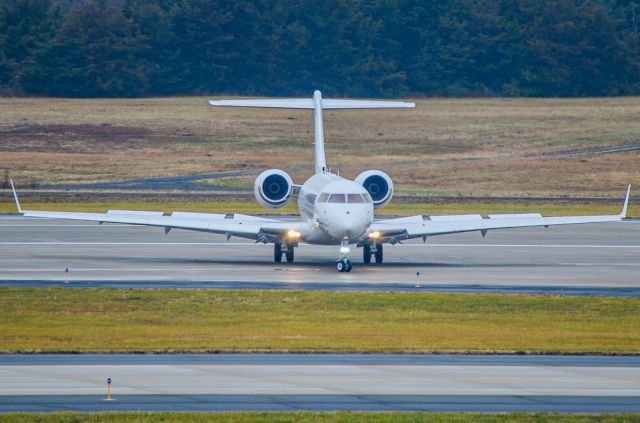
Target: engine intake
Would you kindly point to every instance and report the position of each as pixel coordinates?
(379, 185)
(273, 189)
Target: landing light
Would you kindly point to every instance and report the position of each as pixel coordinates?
(293, 234)
(344, 250)
(374, 235)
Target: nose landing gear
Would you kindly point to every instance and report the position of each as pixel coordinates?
(344, 265)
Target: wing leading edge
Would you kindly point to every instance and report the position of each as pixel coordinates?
(394, 230)
(251, 227)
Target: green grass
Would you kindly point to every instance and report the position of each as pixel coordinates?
(251, 207)
(104, 320)
(316, 418)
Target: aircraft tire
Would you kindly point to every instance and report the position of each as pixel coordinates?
(290, 255)
(277, 252)
(379, 254)
(366, 253)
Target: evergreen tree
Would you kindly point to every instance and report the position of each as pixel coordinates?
(26, 28)
(367, 48)
(97, 52)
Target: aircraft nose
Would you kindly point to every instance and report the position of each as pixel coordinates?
(348, 224)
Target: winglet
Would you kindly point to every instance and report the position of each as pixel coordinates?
(15, 196)
(623, 214)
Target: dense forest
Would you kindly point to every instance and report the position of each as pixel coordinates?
(361, 48)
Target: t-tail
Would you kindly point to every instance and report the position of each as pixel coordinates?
(317, 104)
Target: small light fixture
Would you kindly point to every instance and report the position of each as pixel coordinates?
(374, 235)
(344, 250)
(293, 234)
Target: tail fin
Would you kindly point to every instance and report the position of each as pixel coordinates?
(317, 104)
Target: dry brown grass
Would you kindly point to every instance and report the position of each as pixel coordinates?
(470, 146)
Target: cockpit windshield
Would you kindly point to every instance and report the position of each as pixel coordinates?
(337, 198)
(355, 198)
(344, 198)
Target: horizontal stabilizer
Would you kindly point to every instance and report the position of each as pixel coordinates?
(307, 103)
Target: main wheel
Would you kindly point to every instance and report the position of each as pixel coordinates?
(379, 254)
(289, 255)
(277, 252)
(366, 253)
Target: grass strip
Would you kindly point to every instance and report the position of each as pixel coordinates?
(110, 320)
(345, 417)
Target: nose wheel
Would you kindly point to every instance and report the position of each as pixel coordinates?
(344, 266)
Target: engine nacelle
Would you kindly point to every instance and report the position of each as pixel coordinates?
(379, 185)
(273, 189)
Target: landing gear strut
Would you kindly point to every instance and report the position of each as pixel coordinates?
(369, 250)
(279, 249)
(344, 265)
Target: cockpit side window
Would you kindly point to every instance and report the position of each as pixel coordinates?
(323, 198)
(355, 198)
(337, 198)
(367, 198)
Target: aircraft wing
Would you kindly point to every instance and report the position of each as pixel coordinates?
(239, 225)
(258, 228)
(395, 230)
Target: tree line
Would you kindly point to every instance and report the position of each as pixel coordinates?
(360, 48)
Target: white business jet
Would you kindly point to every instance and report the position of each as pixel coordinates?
(333, 210)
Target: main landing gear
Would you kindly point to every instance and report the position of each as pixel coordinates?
(344, 265)
(375, 250)
(279, 249)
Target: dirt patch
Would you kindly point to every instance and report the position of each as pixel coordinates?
(83, 138)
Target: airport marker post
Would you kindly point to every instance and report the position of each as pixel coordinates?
(418, 280)
(66, 275)
(108, 389)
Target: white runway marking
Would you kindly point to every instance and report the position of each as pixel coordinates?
(95, 225)
(124, 269)
(395, 246)
(132, 243)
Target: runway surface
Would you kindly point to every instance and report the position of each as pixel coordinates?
(320, 383)
(599, 259)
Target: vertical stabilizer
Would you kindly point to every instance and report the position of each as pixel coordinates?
(316, 104)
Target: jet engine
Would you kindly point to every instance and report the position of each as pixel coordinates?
(273, 189)
(379, 185)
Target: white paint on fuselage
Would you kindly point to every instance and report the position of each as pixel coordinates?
(330, 223)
